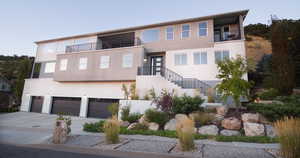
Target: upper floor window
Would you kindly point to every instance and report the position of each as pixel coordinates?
(127, 61)
(49, 67)
(150, 35)
(200, 58)
(83, 63)
(202, 29)
(185, 31)
(104, 62)
(180, 59)
(63, 64)
(221, 55)
(170, 33)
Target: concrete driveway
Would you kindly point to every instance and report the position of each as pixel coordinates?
(33, 128)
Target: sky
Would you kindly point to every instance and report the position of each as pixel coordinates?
(24, 21)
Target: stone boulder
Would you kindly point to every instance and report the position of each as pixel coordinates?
(180, 116)
(270, 131)
(143, 120)
(170, 125)
(254, 129)
(209, 130)
(222, 110)
(226, 132)
(153, 126)
(132, 126)
(231, 123)
(217, 120)
(124, 124)
(248, 117)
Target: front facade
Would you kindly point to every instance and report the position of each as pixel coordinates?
(81, 75)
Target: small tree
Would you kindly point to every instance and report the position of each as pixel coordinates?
(231, 72)
(125, 90)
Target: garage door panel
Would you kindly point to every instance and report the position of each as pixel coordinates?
(36, 104)
(98, 108)
(67, 106)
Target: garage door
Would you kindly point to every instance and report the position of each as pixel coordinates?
(66, 106)
(36, 104)
(97, 108)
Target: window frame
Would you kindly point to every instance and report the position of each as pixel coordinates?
(142, 35)
(190, 31)
(80, 64)
(101, 66)
(180, 62)
(173, 33)
(200, 28)
(52, 67)
(222, 55)
(200, 58)
(124, 65)
(63, 64)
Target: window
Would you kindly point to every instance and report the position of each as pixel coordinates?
(127, 60)
(151, 35)
(203, 29)
(170, 33)
(200, 58)
(63, 64)
(180, 59)
(185, 31)
(82, 63)
(104, 62)
(221, 55)
(49, 67)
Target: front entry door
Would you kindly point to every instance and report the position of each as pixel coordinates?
(156, 65)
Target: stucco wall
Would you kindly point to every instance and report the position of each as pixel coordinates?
(207, 71)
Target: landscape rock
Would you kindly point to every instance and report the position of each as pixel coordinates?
(132, 126)
(180, 116)
(270, 131)
(227, 132)
(153, 126)
(254, 129)
(209, 130)
(125, 123)
(222, 110)
(170, 125)
(248, 117)
(218, 119)
(143, 120)
(231, 123)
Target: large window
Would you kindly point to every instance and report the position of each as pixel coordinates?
(180, 59)
(150, 35)
(221, 55)
(170, 33)
(200, 58)
(185, 31)
(82, 63)
(127, 61)
(104, 62)
(202, 29)
(63, 64)
(49, 67)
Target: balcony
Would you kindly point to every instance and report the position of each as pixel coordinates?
(107, 42)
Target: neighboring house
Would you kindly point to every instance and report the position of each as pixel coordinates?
(81, 75)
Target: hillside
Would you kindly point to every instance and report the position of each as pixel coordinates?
(257, 47)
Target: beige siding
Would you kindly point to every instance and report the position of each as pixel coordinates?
(115, 72)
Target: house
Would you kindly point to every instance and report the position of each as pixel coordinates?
(81, 75)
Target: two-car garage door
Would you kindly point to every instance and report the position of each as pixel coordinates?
(98, 108)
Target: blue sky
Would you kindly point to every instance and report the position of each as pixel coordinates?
(24, 21)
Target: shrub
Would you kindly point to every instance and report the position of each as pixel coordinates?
(158, 117)
(289, 137)
(276, 111)
(132, 90)
(186, 104)
(126, 91)
(165, 101)
(146, 97)
(152, 93)
(125, 113)
(201, 118)
(133, 117)
(113, 109)
(185, 132)
(68, 121)
(269, 94)
(112, 129)
(140, 126)
(94, 127)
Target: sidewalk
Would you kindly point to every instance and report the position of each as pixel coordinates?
(167, 146)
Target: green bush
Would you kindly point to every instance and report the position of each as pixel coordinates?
(8, 110)
(269, 94)
(201, 118)
(125, 113)
(186, 104)
(156, 116)
(140, 126)
(94, 127)
(276, 111)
